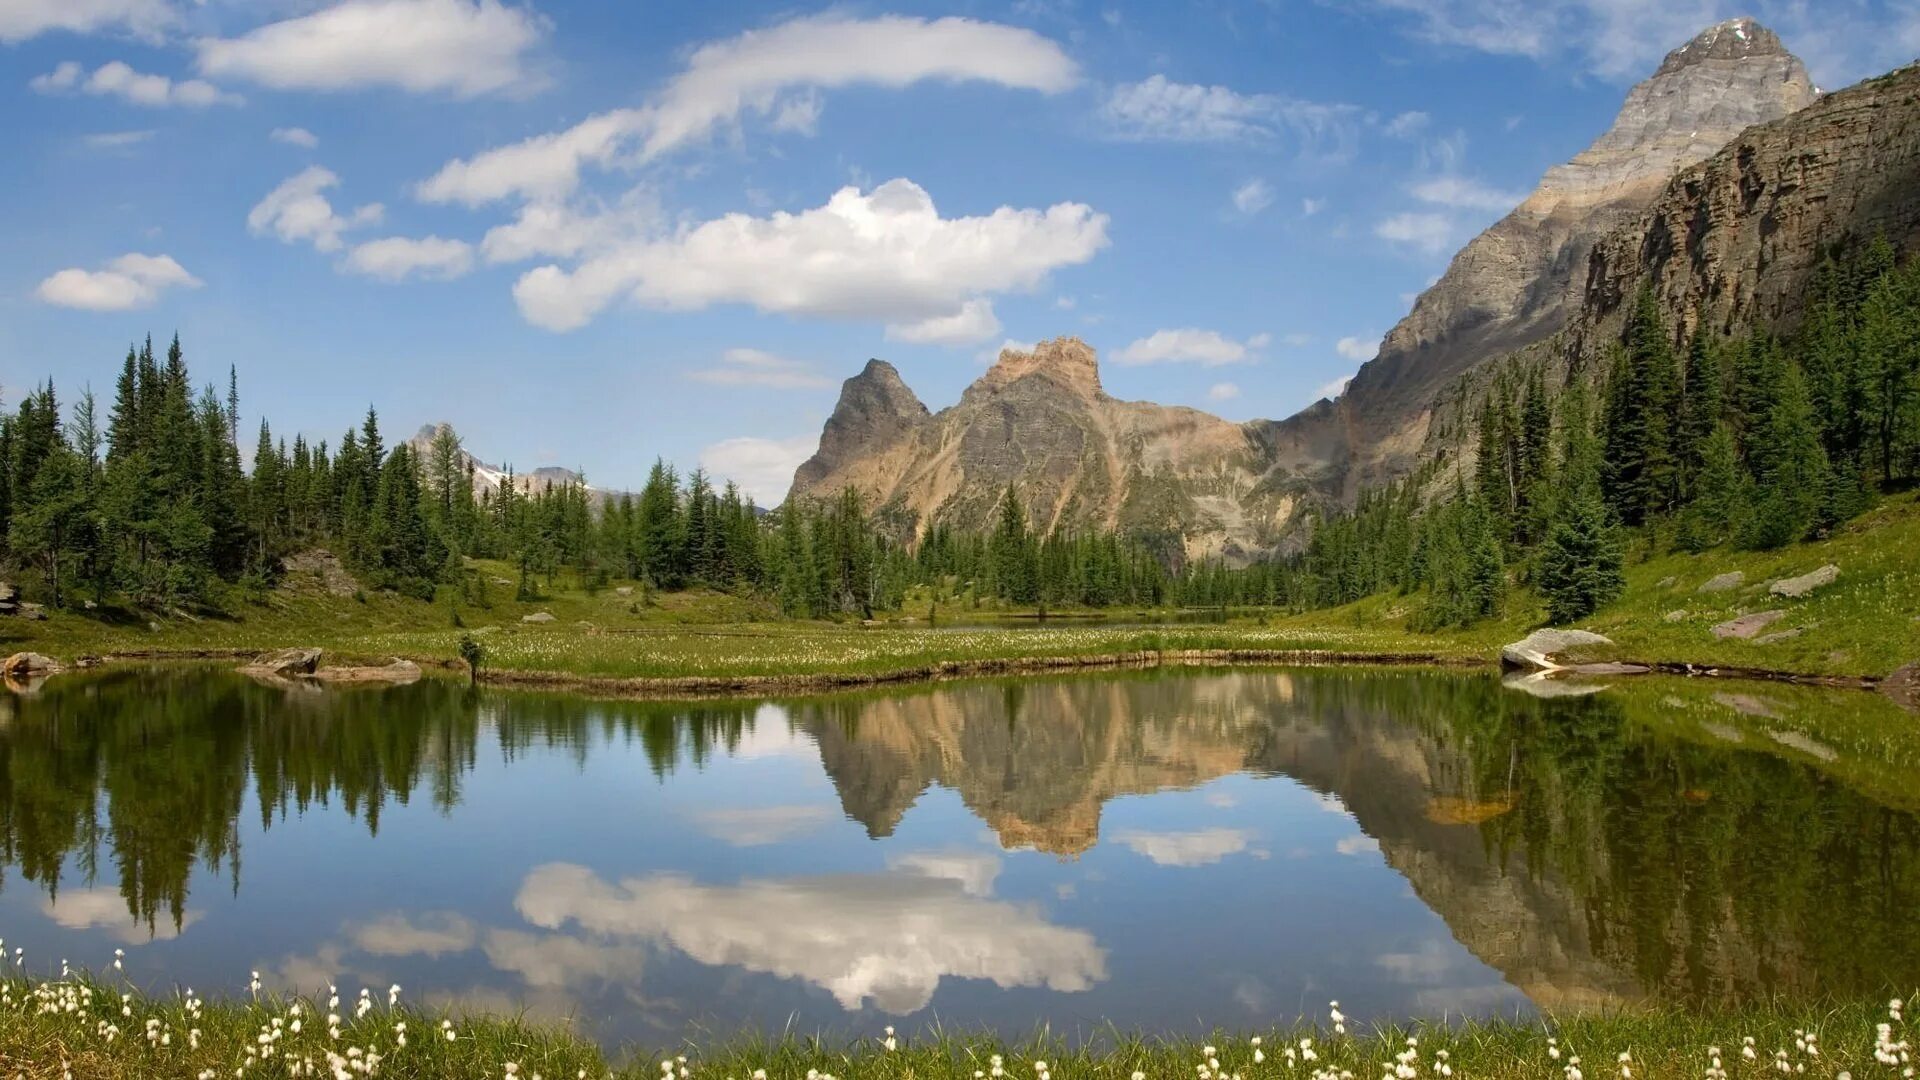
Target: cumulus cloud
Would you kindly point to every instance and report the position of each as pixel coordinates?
(117, 79)
(295, 136)
(1253, 196)
(975, 321)
(23, 19)
(432, 934)
(762, 467)
(1223, 391)
(1358, 347)
(1334, 389)
(1189, 345)
(398, 258)
(1200, 847)
(1463, 194)
(464, 48)
(1160, 110)
(106, 910)
(130, 281)
(885, 255)
(776, 73)
(758, 826)
(757, 367)
(1430, 234)
(885, 938)
(298, 210)
(1310, 207)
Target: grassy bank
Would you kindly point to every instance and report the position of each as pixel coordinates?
(83, 1028)
(1863, 625)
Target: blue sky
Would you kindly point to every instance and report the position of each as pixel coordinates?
(588, 233)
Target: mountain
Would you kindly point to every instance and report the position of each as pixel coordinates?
(489, 477)
(1040, 421)
(1518, 282)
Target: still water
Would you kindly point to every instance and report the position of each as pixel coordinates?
(1165, 851)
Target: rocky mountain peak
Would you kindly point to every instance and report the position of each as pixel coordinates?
(875, 411)
(1068, 362)
(1735, 39)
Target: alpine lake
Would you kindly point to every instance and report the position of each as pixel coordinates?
(1168, 851)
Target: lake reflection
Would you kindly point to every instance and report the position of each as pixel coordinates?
(1168, 851)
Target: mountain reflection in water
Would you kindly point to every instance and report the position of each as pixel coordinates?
(1166, 850)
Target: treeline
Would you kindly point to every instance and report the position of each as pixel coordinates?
(1754, 441)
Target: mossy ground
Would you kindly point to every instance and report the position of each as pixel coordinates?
(1868, 623)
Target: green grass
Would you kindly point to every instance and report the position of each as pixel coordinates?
(1865, 624)
(87, 1028)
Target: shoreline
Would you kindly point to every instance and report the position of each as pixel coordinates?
(1898, 686)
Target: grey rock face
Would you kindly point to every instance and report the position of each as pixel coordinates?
(876, 410)
(1726, 582)
(1518, 282)
(1797, 587)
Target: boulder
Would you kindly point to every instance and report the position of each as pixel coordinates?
(1676, 616)
(29, 663)
(286, 662)
(398, 672)
(1666, 582)
(1796, 587)
(1746, 626)
(538, 617)
(1726, 582)
(1545, 649)
(624, 590)
(33, 612)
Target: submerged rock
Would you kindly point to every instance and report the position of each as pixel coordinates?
(1746, 626)
(1796, 587)
(1545, 649)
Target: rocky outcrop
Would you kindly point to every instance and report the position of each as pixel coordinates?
(1794, 588)
(285, 662)
(1521, 280)
(28, 664)
(1041, 423)
(1746, 626)
(1734, 240)
(1552, 650)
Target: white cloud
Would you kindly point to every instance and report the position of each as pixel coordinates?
(775, 73)
(106, 909)
(23, 19)
(1430, 234)
(1223, 391)
(1359, 347)
(886, 255)
(1200, 847)
(116, 140)
(116, 79)
(1253, 196)
(1407, 124)
(297, 210)
(975, 321)
(1296, 341)
(1158, 109)
(295, 136)
(397, 258)
(756, 367)
(1189, 345)
(886, 938)
(130, 281)
(1357, 844)
(1334, 389)
(432, 934)
(460, 47)
(1310, 207)
(758, 826)
(1463, 194)
(763, 468)
(558, 230)
(974, 871)
(988, 357)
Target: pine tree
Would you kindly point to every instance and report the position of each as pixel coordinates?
(1582, 562)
